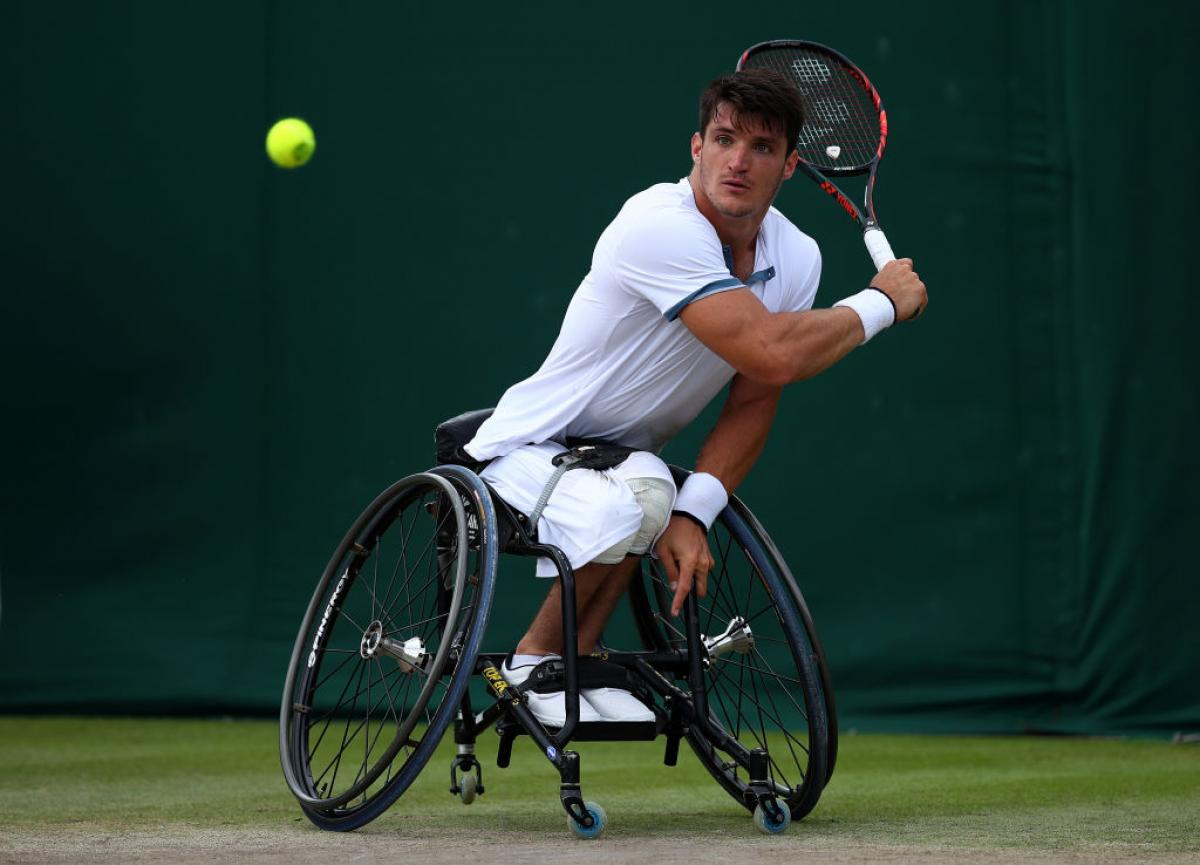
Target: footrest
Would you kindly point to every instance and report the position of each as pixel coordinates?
(591, 731)
(613, 731)
(548, 676)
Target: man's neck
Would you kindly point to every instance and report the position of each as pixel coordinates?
(734, 232)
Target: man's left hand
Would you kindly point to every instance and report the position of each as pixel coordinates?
(683, 550)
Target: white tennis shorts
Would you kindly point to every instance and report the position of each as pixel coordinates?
(588, 512)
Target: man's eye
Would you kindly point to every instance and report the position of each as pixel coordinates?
(763, 147)
(724, 139)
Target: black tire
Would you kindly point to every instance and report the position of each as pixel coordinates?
(387, 646)
(777, 695)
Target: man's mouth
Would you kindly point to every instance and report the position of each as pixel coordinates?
(734, 183)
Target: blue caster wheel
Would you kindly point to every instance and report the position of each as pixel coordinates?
(599, 824)
(764, 823)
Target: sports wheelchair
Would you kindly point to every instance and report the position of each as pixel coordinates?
(393, 639)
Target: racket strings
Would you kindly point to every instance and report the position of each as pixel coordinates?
(842, 129)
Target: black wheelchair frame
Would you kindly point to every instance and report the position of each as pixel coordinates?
(382, 662)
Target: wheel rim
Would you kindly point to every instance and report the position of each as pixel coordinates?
(383, 629)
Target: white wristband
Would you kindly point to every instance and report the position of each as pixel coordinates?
(702, 496)
(874, 308)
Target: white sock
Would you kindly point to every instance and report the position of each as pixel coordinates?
(525, 660)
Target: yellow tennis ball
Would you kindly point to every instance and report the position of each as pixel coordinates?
(291, 143)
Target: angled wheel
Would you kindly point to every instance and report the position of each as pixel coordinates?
(599, 822)
(764, 677)
(387, 646)
(764, 823)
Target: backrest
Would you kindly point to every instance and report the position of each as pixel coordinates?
(450, 436)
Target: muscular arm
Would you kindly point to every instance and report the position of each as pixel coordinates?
(729, 452)
(737, 439)
(782, 347)
(772, 348)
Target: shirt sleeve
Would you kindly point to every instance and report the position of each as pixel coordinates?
(671, 261)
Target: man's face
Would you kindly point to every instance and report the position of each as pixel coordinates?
(740, 169)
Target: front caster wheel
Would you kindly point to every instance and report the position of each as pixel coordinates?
(768, 826)
(468, 788)
(599, 822)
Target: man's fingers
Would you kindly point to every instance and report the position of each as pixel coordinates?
(681, 592)
(702, 577)
(667, 557)
(682, 586)
(922, 298)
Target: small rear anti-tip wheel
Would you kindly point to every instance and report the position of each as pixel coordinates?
(387, 646)
(599, 822)
(764, 823)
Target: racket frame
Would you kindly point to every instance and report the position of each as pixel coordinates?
(824, 177)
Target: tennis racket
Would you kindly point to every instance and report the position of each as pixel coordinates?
(845, 126)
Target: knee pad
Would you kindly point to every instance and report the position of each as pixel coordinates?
(654, 496)
(615, 553)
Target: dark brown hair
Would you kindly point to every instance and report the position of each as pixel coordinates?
(761, 95)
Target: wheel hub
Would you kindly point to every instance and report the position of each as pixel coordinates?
(737, 637)
(371, 639)
(409, 654)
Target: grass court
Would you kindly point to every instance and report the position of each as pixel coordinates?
(119, 789)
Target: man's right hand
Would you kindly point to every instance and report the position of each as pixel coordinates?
(900, 282)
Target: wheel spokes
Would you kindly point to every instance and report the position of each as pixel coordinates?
(398, 594)
(752, 669)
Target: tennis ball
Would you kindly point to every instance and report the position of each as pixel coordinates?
(290, 143)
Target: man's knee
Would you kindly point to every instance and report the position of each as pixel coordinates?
(654, 496)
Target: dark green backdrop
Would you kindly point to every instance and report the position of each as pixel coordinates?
(209, 364)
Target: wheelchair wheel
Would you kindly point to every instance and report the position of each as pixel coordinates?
(387, 646)
(765, 678)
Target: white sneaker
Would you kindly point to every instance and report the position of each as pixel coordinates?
(614, 704)
(550, 709)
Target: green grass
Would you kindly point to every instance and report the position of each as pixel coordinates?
(983, 793)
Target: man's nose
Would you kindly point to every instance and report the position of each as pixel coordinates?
(738, 159)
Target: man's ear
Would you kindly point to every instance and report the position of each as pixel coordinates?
(789, 164)
(697, 145)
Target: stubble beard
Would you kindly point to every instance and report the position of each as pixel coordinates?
(744, 210)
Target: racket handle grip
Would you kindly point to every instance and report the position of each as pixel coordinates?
(878, 246)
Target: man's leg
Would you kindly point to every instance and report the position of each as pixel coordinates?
(545, 634)
(599, 609)
(611, 703)
(598, 588)
(545, 637)
(598, 585)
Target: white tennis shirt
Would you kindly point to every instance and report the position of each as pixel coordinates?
(624, 368)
